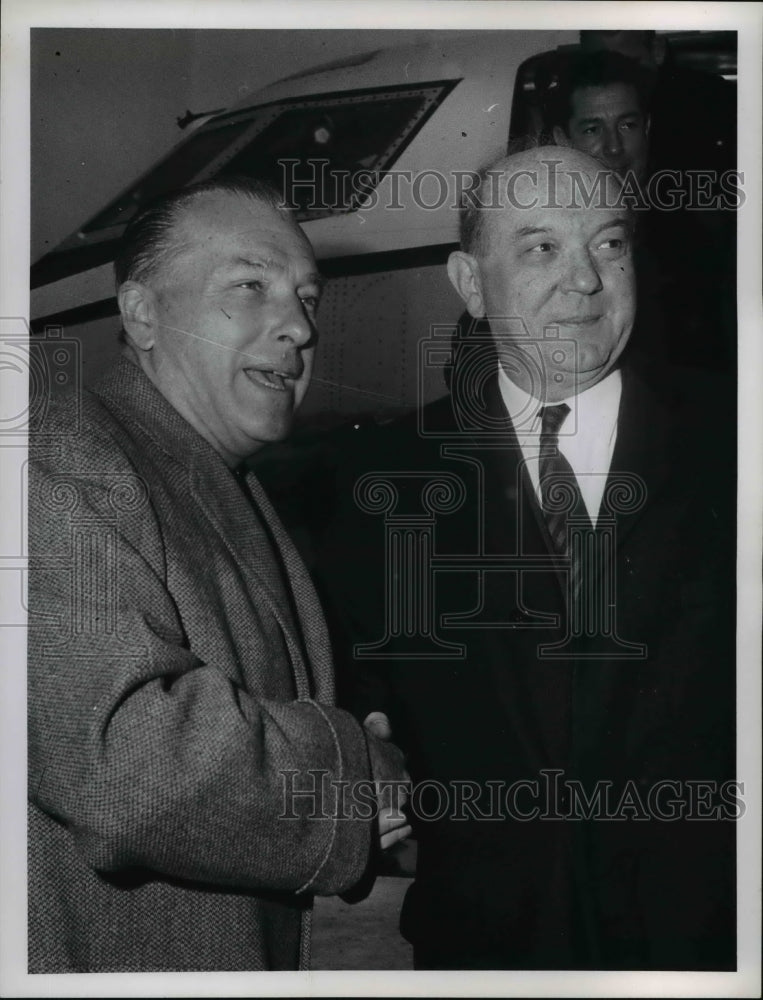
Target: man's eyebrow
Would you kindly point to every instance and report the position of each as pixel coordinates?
(315, 277)
(532, 230)
(263, 265)
(623, 221)
(595, 119)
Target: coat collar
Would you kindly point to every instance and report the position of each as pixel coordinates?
(643, 464)
(645, 450)
(128, 391)
(259, 545)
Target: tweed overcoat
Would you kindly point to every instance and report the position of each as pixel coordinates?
(179, 685)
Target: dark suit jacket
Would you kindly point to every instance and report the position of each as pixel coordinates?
(524, 889)
(178, 666)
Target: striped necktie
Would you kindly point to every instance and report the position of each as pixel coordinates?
(557, 480)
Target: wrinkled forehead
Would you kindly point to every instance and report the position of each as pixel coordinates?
(553, 196)
(608, 98)
(230, 225)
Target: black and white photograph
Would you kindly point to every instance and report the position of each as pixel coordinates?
(382, 490)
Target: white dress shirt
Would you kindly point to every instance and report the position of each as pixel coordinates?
(586, 438)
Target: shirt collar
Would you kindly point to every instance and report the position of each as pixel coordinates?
(600, 402)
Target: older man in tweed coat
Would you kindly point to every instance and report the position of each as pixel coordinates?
(180, 679)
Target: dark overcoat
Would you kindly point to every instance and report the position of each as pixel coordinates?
(576, 804)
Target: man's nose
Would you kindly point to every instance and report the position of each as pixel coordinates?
(613, 142)
(581, 274)
(295, 325)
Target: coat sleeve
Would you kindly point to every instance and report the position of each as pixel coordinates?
(151, 758)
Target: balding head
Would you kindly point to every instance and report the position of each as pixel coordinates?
(553, 176)
(153, 238)
(547, 259)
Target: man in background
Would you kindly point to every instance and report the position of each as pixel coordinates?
(687, 259)
(601, 106)
(693, 112)
(606, 103)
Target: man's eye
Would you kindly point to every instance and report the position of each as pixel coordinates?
(542, 248)
(310, 302)
(254, 284)
(626, 126)
(614, 243)
(590, 130)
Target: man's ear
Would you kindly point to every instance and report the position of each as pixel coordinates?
(464, 274)
(648, 124)
(560, 136)
(137, 304)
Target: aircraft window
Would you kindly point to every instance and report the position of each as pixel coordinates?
(337, 151)
(354, 131)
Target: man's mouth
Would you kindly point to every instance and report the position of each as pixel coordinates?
(577, 321)
(278, 381)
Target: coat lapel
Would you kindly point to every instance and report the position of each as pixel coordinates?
(252, 534)
(513, 523)
(245, 532)
(643, 457)
(304, 599)
(644, 450)
(513, 517)
(523, 681)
